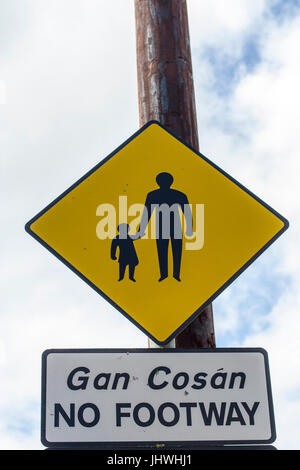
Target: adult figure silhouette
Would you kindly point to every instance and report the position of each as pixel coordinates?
(167, 202)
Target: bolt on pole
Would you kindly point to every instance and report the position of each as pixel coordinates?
(166, 94)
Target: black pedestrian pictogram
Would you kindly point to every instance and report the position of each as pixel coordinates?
(127, 253)
(166, 202)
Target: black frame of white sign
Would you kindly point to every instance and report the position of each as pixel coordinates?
(152, 445)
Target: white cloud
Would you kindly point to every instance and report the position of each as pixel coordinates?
(222, 23)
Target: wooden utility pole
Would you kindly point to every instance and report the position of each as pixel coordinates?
(166, 94)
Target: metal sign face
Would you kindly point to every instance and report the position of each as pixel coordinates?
(158, 230)
(150, 396)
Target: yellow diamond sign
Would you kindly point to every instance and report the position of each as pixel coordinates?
(158, 230)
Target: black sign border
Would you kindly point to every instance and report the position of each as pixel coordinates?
(159, 445)
(99, 291)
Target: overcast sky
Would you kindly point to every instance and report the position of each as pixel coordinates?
(68, 97)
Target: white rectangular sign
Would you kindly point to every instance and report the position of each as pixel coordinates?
(117, 397)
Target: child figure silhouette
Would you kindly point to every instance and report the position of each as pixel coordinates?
(127, 252)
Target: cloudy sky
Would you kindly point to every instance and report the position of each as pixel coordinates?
(68, 97)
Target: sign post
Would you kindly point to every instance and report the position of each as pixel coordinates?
(166, 94)
(159, 231)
